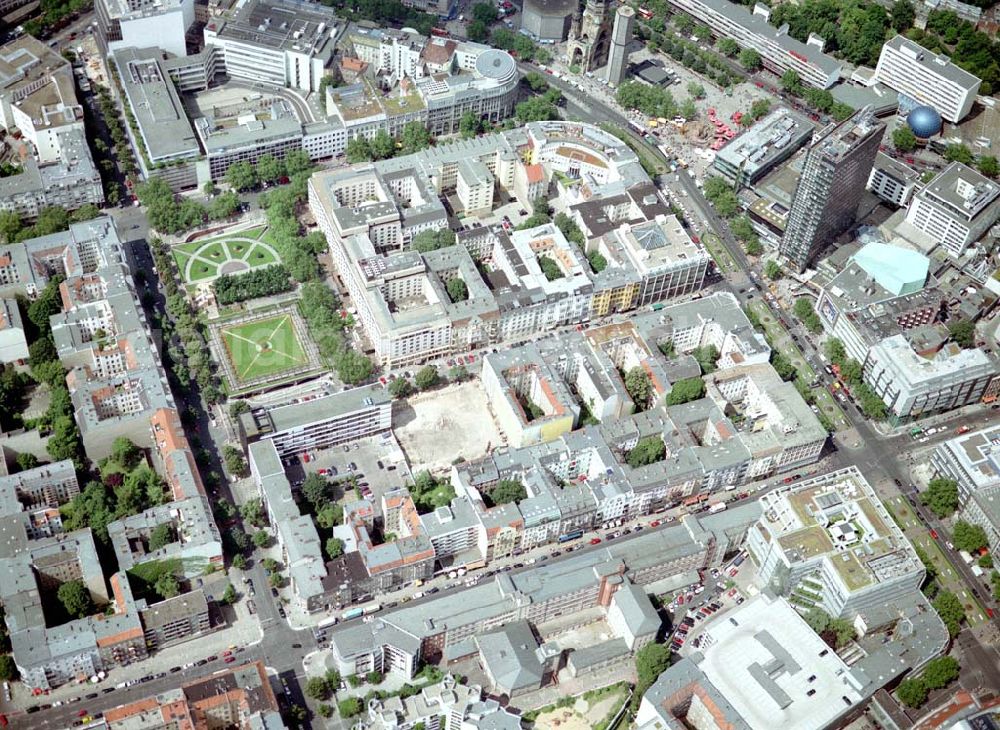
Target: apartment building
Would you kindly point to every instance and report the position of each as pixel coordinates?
(240, 696)
(829, 542)
(38, 100)
(320, 422)
(954, 210)
(369, 213)
(927, 78)
(447, 705)
(13, 341)
(778, 50)
(446, 628)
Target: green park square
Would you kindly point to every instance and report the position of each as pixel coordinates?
(206, 259)
(263, 348)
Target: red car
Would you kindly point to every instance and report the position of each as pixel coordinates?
(472, 358)
(230, 659)
(655, 523)
(595, 541)
(382, 380)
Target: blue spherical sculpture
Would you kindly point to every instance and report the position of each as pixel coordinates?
(924, 121)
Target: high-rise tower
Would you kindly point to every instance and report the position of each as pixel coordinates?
(836, 169)
(621, 36)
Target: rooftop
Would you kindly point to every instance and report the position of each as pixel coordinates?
(939, 65)
(775, 670)
(962, 192)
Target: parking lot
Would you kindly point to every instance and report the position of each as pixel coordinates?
(693, 610)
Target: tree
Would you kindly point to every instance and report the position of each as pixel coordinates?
(8, 668)
(400, 388)
(470, 124)
(791, 81)
(750, 59)
(238, 408)
(161, 535)
(269, 168)
(912, 692)
(988, 166)
(382, 145)
(233, 458)
(432, 240)
(963, 333)
(415, 137)
(638, 386)
(297, 162)
(651, 661)
(902, 15)
(958, 153)
(903, 139)
(252, 511)
(986, 561)
(240, 562)
(261, 539)
(686, 390)
(209, 188)
(276, 580)
(940, 672)
(950, 609)
(426, 377)
(727, 47)
(772, 270)
(597, 262)
(358, 150)
(75, 598)
(229, 595)
(648, 450)
(334, 548)
(26, 460)
(318, 688)
(508, 491)
(241, 176)
(457, 289)
(315, 489)
(707, 357)
(696, 90)
(349, 707)
(458, 373)
(167, 586)
(968, 537)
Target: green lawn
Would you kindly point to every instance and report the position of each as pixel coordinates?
(262, 348)
(209, 253)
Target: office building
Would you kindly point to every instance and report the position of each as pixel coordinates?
(779, 52)
(765, 668)
(893, 181)
(621, 36)
(828, 541)
(767, 144)
(837, 166)
(144, 24)
(163, 137)
(927, 78)
(954, 210)
(276, 43)
(321, 422)
(917, 384)
(971, 459)
(982, 508)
